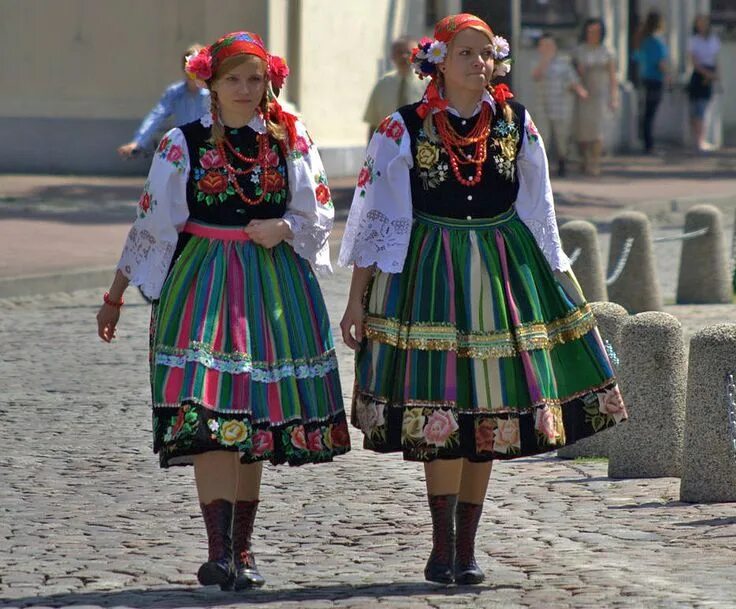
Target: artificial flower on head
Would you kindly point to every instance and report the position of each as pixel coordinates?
(423, 65)
(501, 68)
(277, 70)
(437, 52)
(199, 65)
(501, 47)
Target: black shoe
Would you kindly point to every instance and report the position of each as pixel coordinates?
(439, 567)
(246, 571)
(467, 517)
(218, 570)
(216, 573)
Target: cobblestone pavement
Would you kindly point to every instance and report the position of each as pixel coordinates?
(89, 519)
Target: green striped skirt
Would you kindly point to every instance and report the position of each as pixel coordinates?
(477, 349)
(242, 357)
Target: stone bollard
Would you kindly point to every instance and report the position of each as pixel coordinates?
(610, 317)
(637, 287)
(653, 375)
(704, 266)
(588, 266)
(709, 462)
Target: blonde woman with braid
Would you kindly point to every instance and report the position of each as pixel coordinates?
(473, 342)
(232, 224)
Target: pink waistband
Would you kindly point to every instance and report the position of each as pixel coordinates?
(209, 231)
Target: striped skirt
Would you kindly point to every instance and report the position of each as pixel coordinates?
(242, 357)
(479, 350)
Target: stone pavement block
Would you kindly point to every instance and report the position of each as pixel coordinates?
(548, 524)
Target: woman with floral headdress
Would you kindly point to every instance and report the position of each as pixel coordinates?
(232, 224)
(473, 339)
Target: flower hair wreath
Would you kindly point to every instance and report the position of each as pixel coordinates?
(428, 53)
(198, 66)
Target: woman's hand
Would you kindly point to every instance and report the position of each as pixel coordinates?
(268, 233)
(108, 315)
(353, 318)
(107, 320)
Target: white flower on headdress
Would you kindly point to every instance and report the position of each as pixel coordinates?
(437, 52)
(501, 47)
(502, 68)
(206, 119)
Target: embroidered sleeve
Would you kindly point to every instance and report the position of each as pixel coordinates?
(162, 211)
(379, 224)
(535, 202)
(310, 213)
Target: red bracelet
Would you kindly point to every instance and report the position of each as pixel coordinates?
(112, 303)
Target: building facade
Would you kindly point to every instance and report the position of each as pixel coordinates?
(78, 75)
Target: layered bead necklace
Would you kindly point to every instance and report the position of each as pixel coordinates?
(455, 144)
(258, 160)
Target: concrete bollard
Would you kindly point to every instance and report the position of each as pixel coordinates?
(588, 266)
(653, 375)
(637, 287)
(709, 462)
(610, 318)
(704, 266)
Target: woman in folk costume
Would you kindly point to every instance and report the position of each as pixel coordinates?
(473, 339)
(233, 220)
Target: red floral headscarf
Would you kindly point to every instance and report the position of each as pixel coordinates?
(444, 31)
(449, 27)
(204, 64)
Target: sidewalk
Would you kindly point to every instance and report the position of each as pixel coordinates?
(66, 232)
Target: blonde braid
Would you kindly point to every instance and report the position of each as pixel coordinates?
(275, 130)
(218, 130)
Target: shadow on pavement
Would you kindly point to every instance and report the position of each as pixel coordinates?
(213, 597)
(711, 522)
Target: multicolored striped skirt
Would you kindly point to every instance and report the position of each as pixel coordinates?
(477, 349)
(242, 357)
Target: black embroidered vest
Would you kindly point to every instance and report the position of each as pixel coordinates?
(434, 188)
(211, 198)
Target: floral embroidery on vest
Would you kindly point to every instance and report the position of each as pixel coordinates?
(211, 180)
(432, 172)
(505, 138)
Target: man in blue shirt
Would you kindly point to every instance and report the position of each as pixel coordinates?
(654, 69)
(184, 101)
